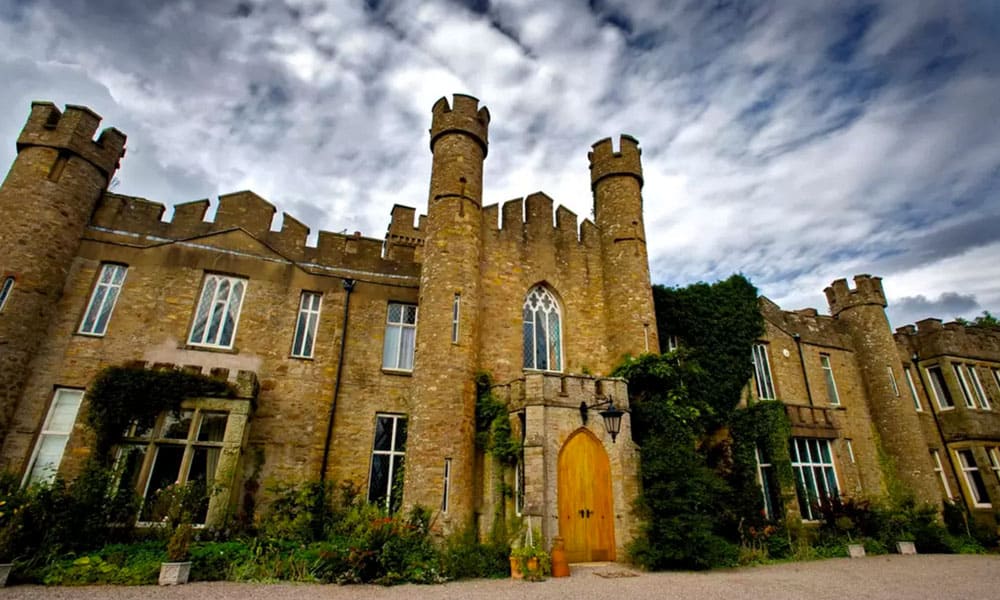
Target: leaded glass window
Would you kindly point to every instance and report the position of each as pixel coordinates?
(218, 311)
(542, 331)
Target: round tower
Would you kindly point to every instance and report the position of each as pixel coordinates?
(616, 181)
(861, 313)
(45, 203)
(442, 420)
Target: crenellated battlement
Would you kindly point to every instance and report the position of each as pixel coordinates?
(867, 291)
(403, 240)
(73, 131)
(931, 337)
(463, 115)
(605, 161)
(529, 219)
(118, 214)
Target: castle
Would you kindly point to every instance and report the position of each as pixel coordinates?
(355, 360)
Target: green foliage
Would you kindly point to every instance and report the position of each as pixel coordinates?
(987, 319)
(120, 396)
(121, 564)
(298, 513)
(50, 520)
(763, 426)
(493, 431)
(464, 557)
(216, 561)
(718, 323)
(179, 545)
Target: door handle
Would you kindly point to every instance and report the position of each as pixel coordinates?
(582, 515)
(589, 512)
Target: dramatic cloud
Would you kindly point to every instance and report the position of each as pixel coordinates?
(796, 143)
(910, 309)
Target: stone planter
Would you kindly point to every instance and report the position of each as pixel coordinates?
(4, 573)
(855, 550)
(174, 573)
(906, 548)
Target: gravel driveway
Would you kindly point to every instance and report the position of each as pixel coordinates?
(932, 577)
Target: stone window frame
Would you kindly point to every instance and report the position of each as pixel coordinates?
(237, 417)
(913, 390)
(47, 433)
(393, 493)
(103, 299)
(5, 290)
(939, 469)
(973, 478)
(832, 395)
(307, 324)
(807, 465)
(446, 492)
(530, 312)
(939, 388)
(207, 310)
(398, 351)
(762, 372)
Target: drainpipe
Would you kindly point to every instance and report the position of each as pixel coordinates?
(348, 288)
(947, 453)
(802, 361)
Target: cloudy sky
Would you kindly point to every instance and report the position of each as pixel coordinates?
(796, 142)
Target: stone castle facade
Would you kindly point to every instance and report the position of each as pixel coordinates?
(355, 359)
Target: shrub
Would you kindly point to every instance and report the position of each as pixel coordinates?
(215, 561)
(464, 557)
(122, 564)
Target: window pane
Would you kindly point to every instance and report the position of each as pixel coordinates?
(177, 426)
(395, 313)
(541, 356)
(383, 433)
(410, 314)
(390, 349)
(396, 493)
(554, 342)
(378, 482)
(213, 427)
(529, 342)
(166, 471)
(96, 300)
(400, 444)
(50, 451)
(300, 334)
(407, 343)
(105, 315)
(62, 415)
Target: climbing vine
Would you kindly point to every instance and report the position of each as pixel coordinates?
(493, 431)
(697, 450)
(120, 396)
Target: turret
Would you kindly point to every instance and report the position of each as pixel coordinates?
(616, 181)
(861, 313)
(442, 421)
(45, 203)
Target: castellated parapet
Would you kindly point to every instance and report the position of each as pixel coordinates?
(73, 132)
(605, 162)
(867, 291)
(463, 116)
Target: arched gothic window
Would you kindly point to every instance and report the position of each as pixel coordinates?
(542, 331)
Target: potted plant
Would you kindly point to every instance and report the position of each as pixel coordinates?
(177, 569)
(528, 559)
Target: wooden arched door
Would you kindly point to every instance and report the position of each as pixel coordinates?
(586, 516)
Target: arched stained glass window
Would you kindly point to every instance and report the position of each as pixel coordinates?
(542, 331)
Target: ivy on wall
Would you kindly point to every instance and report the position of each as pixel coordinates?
(493, 431)
(698, 467)
(120, 396)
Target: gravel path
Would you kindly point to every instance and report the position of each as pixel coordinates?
(931, 577)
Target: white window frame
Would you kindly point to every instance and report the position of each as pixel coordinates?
(939, 387)
(996, 378)
(762, 482)
(965, 457)
(103, 298)
(394, 358)
(209, 305)
(392, 453)
(892, 380)
(913, 390)
(456, 314)
(306, 325)
(5, 290)
(805, 466)
(850, 450)
(672, 343)
(62, 397)
(977, 387)
(993, 453)
(762, 372)
(939, 469)
(831, 384)
(533, 309)
(963, 385)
